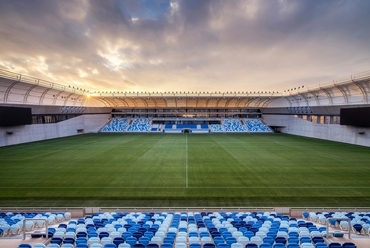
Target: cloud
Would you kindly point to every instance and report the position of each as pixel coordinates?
(185, 45)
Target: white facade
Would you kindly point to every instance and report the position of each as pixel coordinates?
(29, 133)
(334, 132)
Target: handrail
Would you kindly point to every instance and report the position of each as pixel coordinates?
(198, 209)
(270, 208)
(361, 76)
(334, 218)
(190, 208)
(35, 81)
(318, 208)
(24, 227)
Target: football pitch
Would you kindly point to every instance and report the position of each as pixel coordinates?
(184, 170)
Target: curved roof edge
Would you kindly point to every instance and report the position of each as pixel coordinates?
(19, 89)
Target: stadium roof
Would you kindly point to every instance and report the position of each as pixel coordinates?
(19, 89)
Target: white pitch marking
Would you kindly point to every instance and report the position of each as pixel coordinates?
(226, 187)
(186, 161)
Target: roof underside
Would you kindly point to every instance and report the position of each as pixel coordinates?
(20, 89)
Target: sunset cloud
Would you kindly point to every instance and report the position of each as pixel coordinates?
(185, 45)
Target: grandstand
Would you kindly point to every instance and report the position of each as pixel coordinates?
(262, 229)
(58, 111)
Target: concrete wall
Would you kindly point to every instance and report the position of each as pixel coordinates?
(316, 110)
(57, 110)
(28, 133)
(346, 134)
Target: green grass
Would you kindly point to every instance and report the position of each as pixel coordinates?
(210, 170)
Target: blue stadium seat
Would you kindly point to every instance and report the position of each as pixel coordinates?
(25, 246)
(82, 246)
(233, 125)
(265, 245)
(131, 240)
(218, 240)
(118, 240)
(68, 241)
(321, 245)
(357, 228)
(53, 246)
(56, 241)
(166, 245)
(81, 240)
(125, 235)
(305, 240)
(335, 245)
(140, 125)
(251, 245)
(209, 245)
(293, 246)
(268, 240)
(256, 125)
(116, 125)
(293, 240)
(318, 240)
(281, 240)
(249, 234)
(279, 245)
(138, 246)
(348, 245)
(216, 128)
(103, 234)
(144, 240)
(109, 246)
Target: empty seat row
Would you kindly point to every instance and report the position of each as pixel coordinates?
(116, 125)
(256, 125)
(192, 245)
(355, 222)
(233, 125)
(140, 125)
(216, 128)
(245, 228)
(12, 223)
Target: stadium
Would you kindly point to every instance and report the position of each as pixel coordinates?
(47, 121)
(184, 124)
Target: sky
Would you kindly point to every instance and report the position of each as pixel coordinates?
(185, 45)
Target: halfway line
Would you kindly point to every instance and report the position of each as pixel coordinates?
(186, 161)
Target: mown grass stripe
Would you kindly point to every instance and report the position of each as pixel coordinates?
(220, 170)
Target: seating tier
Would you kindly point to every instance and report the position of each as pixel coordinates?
(116, 125)
(140, 125)
(256, 125)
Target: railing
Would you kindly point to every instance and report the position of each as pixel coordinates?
(336, 219)
(117, 209)
(228, 94)
(24, 227)
(75, 211)
(81, 211)
(339, 81)
(43, 83)
(48, 84)
(297, 211)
